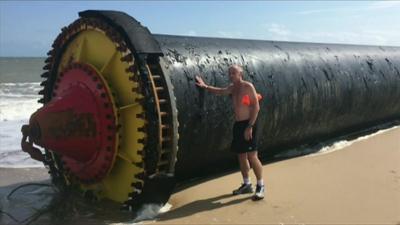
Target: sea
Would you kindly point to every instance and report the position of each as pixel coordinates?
(19, 86)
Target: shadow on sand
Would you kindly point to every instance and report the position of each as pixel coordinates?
(202, 205)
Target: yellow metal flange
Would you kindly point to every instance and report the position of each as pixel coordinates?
(90, 43)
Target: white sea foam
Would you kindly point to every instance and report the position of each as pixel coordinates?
(328, 147)
(148, 212)
(345, 143)
(17, 102)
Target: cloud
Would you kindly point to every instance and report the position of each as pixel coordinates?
(379, 5)
(230, 34)
(191, 33)
(346, 37)
(383, 5)
(277, 31)
(309, 12)
(362, 36)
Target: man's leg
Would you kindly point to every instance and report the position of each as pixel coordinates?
(257, 168)
(255, 164)
(244, 169)
(244, 166)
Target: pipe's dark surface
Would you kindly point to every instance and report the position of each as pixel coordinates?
(311, 91)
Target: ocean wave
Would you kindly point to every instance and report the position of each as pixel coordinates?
(18, 100)
(18, 83)
(334, 144)
(18, 159)
(13, 110)
(29, 89)
(13, 114)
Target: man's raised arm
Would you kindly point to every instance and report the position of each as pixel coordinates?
(215, 90)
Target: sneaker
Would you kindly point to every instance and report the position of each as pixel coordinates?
(259, 192)
(243, 189)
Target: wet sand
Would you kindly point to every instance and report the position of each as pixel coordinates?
(9, 176)
(359, 184)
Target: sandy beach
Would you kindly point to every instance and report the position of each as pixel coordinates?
(359, 184)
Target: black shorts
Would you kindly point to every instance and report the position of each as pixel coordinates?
(239, 143)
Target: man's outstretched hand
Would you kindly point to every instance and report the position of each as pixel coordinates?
(200, 82)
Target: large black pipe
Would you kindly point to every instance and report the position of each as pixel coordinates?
(311, 91)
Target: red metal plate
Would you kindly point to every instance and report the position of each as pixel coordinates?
(79, 123)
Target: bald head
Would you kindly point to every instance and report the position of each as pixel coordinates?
(236, 68)
(235, 73)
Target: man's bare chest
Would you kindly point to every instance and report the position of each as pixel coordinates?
(237, 96)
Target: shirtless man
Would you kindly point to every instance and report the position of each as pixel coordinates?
(244, 142)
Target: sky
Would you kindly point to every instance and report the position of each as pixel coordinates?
(28, 28)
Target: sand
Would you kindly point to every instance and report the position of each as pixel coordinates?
(10, 176)
(359, 184)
